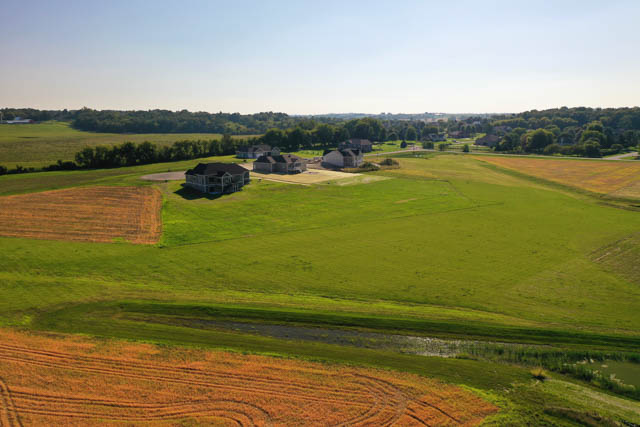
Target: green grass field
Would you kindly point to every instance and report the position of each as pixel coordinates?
(446, 246)
(42, 144)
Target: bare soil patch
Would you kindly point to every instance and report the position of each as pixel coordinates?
(92, 214)
(311, 176)
(47, 380)
(164, 176)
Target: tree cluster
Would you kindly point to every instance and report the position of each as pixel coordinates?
(567, 135)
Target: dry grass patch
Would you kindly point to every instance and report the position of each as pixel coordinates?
(92, 214)
(47, 380)
(614, 178)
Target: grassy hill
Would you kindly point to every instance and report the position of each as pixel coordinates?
(45, 143)
(444, 246)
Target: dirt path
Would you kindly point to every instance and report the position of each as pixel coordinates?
(165, 176)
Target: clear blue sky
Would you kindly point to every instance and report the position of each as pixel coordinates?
(320, 56)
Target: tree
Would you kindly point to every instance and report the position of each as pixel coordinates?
(363, 131)
(3, 170)
(428, 145)
(85, 158)
(465, 148)
(341, 134)
(403, 144)
(538, 139)
(595, 135)
(592, 149)
(274, 137)
(596, 126)
(411, 134)
(323, 134)
(146, 153)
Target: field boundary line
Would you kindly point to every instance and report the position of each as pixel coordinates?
(9, 413)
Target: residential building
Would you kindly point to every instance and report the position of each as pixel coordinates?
(19, 121)
(255, 151)
(217, 178)
(488, 140)
(437, 137)
(283, 163)
(345, 158)
(363, 145)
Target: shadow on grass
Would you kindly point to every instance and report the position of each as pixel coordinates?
(189, 193)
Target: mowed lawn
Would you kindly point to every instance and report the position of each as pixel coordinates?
(45, 143)
(445, 238)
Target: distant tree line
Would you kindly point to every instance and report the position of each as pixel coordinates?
(130, 154)
(579, 131)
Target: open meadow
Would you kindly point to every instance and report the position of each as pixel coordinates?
(616, 179)
(42, 144)
(444, 246)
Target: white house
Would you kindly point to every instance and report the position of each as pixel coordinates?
(348, 158)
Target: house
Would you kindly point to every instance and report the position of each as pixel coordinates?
(284, 163)
(363, 145)
(346, 158)
(502, 129)
(488, 140)
(217, 178)
(437, 137)
(255, 151)
(19, 121)
(458, 134)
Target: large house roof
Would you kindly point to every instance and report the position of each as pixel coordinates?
(254, 148)
(282, 158)
(489, 138)
(349, 152)
(217, 169)
(360, 141)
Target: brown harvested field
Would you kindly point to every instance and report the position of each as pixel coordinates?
(92, 214)
(615, 178)
(64, 380)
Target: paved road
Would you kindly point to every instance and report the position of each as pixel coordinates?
(622, 156)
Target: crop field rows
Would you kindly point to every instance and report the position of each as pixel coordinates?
(620, 179)
(95, 214)
(75, 382)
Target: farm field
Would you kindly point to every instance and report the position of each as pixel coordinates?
(45, 143)
(92, 214)
(77, 381)
(617, 179)
(444, 246)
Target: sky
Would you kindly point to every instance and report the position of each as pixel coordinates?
(314, 57)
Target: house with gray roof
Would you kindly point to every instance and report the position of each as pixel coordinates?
(363, 145)
(283, 163)
(488, 140)
(255, 151)
(217, 178)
